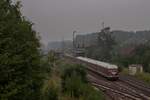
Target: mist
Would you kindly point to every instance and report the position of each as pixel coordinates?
(57, 19)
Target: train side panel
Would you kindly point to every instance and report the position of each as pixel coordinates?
(111, 74)
(108, 73)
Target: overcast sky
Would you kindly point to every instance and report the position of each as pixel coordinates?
(55, 19)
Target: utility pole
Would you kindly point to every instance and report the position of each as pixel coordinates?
(74, 39)
(63, 45)
(103, 25)
(74, 44)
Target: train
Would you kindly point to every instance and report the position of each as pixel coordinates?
(107, 70)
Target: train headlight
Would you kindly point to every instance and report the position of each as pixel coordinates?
(114, 73)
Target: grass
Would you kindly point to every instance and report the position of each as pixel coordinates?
(141, 76)
(75, 83)
(125, 71)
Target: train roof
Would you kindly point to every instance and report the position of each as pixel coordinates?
(96, 62)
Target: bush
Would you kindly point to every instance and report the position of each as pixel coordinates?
(50, 94)
(51, 89)
(144, 76)
(92, 94)
(74, 84)
(72, 79)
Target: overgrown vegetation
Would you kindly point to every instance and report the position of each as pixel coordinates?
(68, 82)
(103, 47)
(144, 76)
(140, 55)
(75, 84)
(141, 76)
(25, 74)
(21, 67)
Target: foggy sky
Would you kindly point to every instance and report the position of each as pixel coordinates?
(56, 19)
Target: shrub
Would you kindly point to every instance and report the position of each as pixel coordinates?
(51, 89)
(74, 84)
(144, 76)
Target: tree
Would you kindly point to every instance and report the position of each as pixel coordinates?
(142, 56)
(52, 58)
(105, 44)
(20, 67)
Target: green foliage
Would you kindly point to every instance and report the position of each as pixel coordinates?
(21, 68)
(144, 76)
(74, 84)
(46, 66)
(52, 58)
(51, 88)
(123, 61)
(92, 94)
(20, 63)
(102, 50)
(105, 43)
(50, 94)
(141, 56)
(77, 70)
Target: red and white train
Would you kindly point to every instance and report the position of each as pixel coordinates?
(107, 70)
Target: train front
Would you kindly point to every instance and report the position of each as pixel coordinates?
(113, 72)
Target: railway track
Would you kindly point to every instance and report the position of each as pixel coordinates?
(123, 89)
(135, 83)
(117, 90)
(113, 93)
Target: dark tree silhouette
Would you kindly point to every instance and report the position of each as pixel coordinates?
(20, 70)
